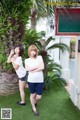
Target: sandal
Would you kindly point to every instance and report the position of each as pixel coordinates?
(19, 103)
(36, 113)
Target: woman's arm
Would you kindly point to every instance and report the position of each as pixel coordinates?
(39, 68)
(15, 66)
(30, 68)
(16, 62)
(41, 64)
(35, 68)
(10, 56)
(10, 60)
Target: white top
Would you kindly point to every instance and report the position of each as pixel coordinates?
(21, 71)
(34, 77)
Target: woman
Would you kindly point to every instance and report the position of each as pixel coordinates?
(15, 58)
(34, 65)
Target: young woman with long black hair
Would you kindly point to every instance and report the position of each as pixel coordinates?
(15, 57)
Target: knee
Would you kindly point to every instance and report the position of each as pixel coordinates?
(38, 97)
(32, 95)
(21, 88)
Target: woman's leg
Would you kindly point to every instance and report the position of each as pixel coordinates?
(21, 89)
(32, 100)
(32, 88)
(39, 89)
(38, 97)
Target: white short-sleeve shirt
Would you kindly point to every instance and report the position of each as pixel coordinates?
(34, 77)
(21, 71)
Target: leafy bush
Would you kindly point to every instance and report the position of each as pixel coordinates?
(31, 36)
(52, 70)
(14, 16)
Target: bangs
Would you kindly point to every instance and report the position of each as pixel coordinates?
(32, 48)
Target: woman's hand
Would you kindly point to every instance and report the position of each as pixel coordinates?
(12, 52)
(10, 56)
(12, 59)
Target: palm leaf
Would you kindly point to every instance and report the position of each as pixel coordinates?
(57, 70)
(57, 65)
(63, 81)
(49, 40)
(38, 44)
(61, 46)
(41, 8)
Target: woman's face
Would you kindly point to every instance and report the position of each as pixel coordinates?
(33, 53)
(17, 50)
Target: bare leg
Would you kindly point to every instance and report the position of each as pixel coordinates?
(22, 93)
(32, 100)
(38, 97)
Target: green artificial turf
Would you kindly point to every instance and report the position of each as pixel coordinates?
(55, 105)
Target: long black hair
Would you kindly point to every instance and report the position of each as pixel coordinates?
(21, 48)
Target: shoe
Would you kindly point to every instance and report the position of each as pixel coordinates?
(36, 113)
(19, 103)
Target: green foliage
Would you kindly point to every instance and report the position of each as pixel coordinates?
(3, 64)
(47, 7)
(43, 33)
(14, 15)
(61, 46)
(52, 70)
(30, 37)
(72, 41)
(72, 47)
(18, 9)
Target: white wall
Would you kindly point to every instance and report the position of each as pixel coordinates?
(64, 59)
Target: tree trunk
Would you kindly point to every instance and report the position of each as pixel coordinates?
(33, 17)
(8, 84)
(8, 79)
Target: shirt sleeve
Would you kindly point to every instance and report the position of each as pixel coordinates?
(18, 61)
(26, 61)
(40, 58)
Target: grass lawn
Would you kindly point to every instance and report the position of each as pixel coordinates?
(55, 105)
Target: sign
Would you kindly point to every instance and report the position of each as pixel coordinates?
(67, 21)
